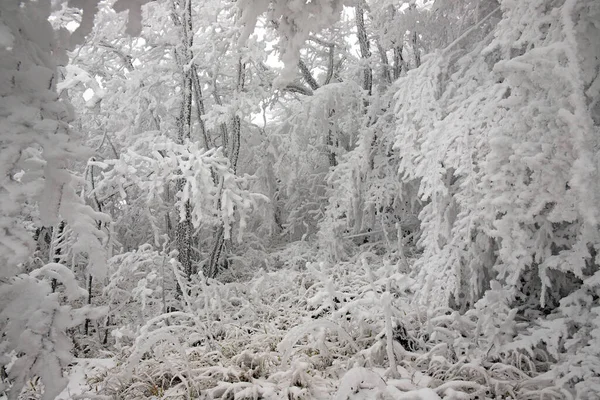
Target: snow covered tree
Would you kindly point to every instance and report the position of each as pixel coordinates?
(37, 146)
(411, 187)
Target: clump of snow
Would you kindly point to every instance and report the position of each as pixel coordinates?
(6, 37)
(85, 376)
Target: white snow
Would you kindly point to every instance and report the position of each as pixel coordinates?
(84, 375)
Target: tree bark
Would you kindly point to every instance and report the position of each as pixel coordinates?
(233, 154)
(398, 62)
(184, 56)
(365, 51)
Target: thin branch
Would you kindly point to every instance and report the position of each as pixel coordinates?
(330, 66)
(200, 106)
(469, 31)
(307, 75)
(127, 59)
(296, 88)
(222, 126)
(321, 41)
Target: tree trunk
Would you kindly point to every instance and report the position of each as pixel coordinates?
(365, 51)
(233, 154)
(184, 56)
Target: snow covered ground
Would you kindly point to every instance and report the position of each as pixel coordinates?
(85, 376)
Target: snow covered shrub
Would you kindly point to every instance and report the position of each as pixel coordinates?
(223, 338)
(34, 325)
(569, 343)
(325, 331)
(142, 285)
(368, 200)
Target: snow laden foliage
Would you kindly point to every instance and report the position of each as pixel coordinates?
(37, 142)
(37, 145)
(501, 138)
(34, 325)
(322, 331)
(142, 285)
(304, 147)
(209, 185)
(294, 21)
(432, 224)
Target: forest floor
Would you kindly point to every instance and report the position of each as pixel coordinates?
(314, 331)
(85, 376)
